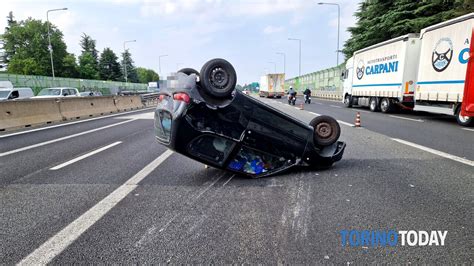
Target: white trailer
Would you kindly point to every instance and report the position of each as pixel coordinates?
(383, 76)
(272, 85)
(442, 71)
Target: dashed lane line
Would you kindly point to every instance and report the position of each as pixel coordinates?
(82, 157)
(63, 138)
(406, 118)
(436, 152)
(60, 241)
(335, 106)
(468, 129)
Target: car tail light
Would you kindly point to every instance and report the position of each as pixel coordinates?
(181, 97)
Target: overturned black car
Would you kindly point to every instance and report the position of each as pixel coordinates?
(202, 116)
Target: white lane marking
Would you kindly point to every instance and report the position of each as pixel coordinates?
(57, 243)
(228, 180)
(313, 113)
(406, 118)
(335, 106)
(63, 138)
(345, 123)
(71, 123)
(319, 103)
(84, 156)
(469, 129)
(436, 152)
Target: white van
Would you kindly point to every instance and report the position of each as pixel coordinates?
(15, 93)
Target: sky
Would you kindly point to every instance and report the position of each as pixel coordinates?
(247, 33)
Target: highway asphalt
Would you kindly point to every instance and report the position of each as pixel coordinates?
(119, 197)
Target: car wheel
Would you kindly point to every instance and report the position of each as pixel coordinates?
(464, 121)
(348, 101)
(385, 105)
(218, 78)
(326, 130)
(373, 105)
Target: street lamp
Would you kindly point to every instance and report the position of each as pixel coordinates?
(50, 48)
(274, 66)
(125, 63)
(159, 62)
(338, 26)
(284, 61)
(299, 40)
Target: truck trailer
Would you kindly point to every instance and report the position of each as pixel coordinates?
(272, 85)
(383, 76)
(430, 69)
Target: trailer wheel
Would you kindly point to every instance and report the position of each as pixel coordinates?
(464, 121)
(326, 130)
(386, 105)
(348, 101)
(373, 105)
(218, 78)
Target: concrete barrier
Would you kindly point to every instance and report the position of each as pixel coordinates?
(26, 113)
(128, 103)
(76, 108)
(30, 112)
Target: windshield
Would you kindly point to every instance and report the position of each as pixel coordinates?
(49, 91)
(4, 94)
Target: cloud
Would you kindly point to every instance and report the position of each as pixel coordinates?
(272, 29)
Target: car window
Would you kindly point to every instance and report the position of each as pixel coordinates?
(163, 125)
(211, 148)
(255, 162)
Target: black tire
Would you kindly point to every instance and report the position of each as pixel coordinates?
(326, 130)
(386, 106)
(464, 121)
(218, 78)
(348, 101)
(373, 106)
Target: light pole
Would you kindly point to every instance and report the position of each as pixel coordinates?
(274, 66)
(338, 26)
(125, 63)
(299, 40)
(50, 48)
(159, 62)
(284, 61)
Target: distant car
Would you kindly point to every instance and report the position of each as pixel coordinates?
(90, 93)
(211, 122)
(57, 92)
(15, 93)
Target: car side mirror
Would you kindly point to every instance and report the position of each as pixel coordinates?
(14, 95)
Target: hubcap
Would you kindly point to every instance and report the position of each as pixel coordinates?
(219, 78)
(323, 130)
(372, 104)
(464, 119)
(384, 105)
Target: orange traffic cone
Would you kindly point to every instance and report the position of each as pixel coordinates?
(357, 120)
(301, 106)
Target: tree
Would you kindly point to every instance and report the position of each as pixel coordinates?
(26, 48)
(380, 20)
(147, 75)
(88, 60)
(127, 61)
(88, 67)
(109, 67)
(70, 67)
(88, 46)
